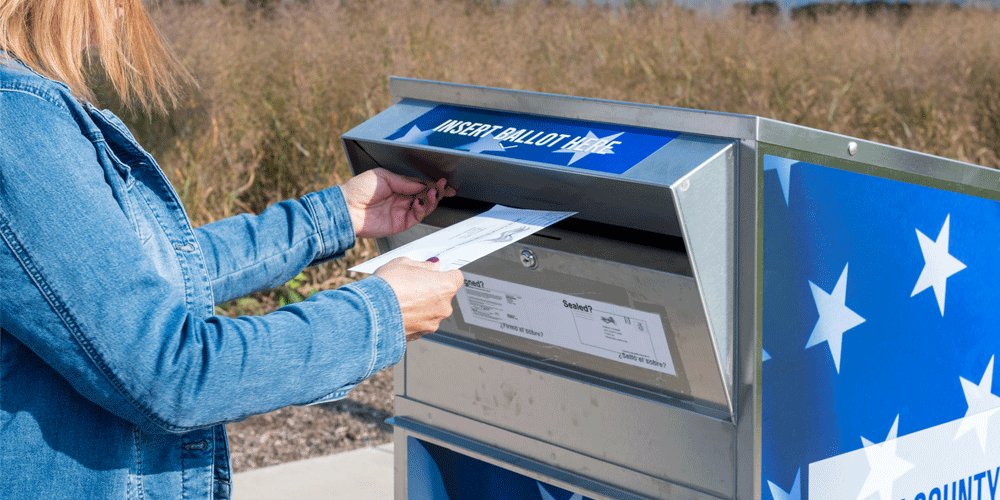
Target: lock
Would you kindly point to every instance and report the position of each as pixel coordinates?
(528, 259)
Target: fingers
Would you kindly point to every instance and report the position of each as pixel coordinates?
(400, 184)
(423, 292)
(456, 279)
(431, 265)
(408, 262)
(382, 203)
(430, 192)
(416, 213)
(444, 188)
(426, 202)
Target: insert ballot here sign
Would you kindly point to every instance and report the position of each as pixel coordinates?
(601, 147)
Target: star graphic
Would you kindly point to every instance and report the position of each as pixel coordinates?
(548, 496)
(795, 493)
(835, 317)
(415, 136)
(938, 264)
(485, 143)
(590, 136)
(982, 405)
(764, 356)
(884, 466)
(784, 168)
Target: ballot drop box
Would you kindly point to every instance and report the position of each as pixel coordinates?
(741, 308)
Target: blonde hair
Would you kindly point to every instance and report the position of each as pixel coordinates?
(51, 36)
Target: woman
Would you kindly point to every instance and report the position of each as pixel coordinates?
(115, 376)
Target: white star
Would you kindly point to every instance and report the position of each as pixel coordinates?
(938, 264)
(590, 136)
(784, 168)
(795, 493)
(835, 317)
(415, 136)
(884, 466)
(485, 143)
(982, 405)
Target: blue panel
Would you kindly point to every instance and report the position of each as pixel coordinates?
(437, 473)
(592, 146)
(880, 329)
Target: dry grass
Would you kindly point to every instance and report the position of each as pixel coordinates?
(277, 91)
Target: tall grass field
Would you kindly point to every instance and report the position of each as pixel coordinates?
(278, 86)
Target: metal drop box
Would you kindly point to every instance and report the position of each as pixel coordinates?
(621, 353)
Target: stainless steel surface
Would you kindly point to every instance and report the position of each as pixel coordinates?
(675, 298)
(646, 197)
(399, 463)
(541, 471)
(749, 392)
(595, 196)
(596, 423)
(705, 201)
(659, 440)
(552, 413)
(706, 123)
(563, 410)
(640, 198)
(931, 168)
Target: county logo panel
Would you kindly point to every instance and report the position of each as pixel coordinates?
(879, 338)
(599, 147)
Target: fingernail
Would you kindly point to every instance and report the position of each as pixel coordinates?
(432, 259)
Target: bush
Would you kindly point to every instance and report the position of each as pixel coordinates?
(279, 85)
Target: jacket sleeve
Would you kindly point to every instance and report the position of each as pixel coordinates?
(247, 253)
(80, 292)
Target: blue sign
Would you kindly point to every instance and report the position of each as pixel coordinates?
(880, 337)
(437, 473)
(599, 147)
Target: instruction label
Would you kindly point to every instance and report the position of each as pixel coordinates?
(598, 328)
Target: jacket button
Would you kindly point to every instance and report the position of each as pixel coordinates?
(184, 248)
(197, 445)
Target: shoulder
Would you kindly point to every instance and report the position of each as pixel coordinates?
(19, 82)
(33, 105)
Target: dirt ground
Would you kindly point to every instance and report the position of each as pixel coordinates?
(295, 433)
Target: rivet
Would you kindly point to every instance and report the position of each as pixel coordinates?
(528, 259)
(852, 148)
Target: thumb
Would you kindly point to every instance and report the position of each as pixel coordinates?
(429, 265)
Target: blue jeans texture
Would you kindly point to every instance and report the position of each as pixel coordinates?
(116, 376)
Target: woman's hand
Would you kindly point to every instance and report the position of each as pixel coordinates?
(423, 292)
(382, 203)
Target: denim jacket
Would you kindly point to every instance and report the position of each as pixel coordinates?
(115, 374)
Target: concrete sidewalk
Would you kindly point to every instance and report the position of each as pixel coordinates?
(362, 474)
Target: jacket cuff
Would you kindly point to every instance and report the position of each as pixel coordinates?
(387, 321)
(332, 221)
(386, 324)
